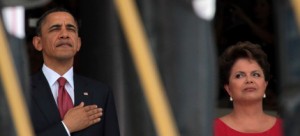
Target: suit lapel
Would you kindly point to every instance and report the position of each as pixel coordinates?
(44, 100)
(81, 91)
(43, 96)
(82, 94)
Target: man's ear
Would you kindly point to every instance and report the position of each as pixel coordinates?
(36, 41)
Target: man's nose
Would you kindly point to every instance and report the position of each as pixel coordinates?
(64, 33)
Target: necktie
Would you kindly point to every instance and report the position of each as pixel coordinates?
(64, 100)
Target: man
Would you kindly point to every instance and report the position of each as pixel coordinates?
(64, 104)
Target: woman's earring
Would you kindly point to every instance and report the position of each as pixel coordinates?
(264, 96)
(230, 98)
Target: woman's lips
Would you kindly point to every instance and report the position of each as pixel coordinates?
(250, 89)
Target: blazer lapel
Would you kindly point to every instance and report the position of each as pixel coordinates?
(81, 91)
(82, 94)
(43, 96)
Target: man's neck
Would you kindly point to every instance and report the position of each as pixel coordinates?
(60, 68)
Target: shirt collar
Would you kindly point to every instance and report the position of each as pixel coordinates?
(52, 76)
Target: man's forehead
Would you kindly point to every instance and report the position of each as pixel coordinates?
(60, 17)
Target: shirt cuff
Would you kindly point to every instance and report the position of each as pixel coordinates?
(66, 128)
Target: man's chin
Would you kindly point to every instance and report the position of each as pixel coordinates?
(65, 57)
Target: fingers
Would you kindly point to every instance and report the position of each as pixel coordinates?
(82, 116)
(95, 118)
(90, 107)
(79, 106)
(94, 111)
(93, 114)
(94, 121)
(86, 108)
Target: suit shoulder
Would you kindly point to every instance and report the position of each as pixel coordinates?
(93, 82)
(38, 78)
(36, 75)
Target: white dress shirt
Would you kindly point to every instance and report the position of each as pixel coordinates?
(52, 77)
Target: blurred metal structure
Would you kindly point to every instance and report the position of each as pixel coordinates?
(14, 77)
(183, 49)
(12, 90)
(25, 3)
(146, 68)
(289, 48)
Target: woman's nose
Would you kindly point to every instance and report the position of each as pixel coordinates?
(249, 80)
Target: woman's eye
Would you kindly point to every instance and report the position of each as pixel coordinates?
(256, 74)
(240, 75)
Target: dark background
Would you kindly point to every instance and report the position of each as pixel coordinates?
(185, 48)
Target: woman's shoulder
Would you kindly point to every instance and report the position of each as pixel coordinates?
(220, 128)
(219, 123)
(277, 127)
(277, 121)
(223, 119)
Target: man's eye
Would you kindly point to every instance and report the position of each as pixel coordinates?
(72, 29)
(54, 29)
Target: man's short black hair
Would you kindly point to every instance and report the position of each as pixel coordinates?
(42, 18)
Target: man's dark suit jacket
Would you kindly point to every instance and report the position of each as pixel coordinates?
(45, 115)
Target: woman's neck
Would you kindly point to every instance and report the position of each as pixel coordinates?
(247, 110)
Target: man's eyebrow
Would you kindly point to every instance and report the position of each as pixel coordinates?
(54, 26)
(59, 26)
(71, 26)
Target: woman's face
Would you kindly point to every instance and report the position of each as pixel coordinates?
(246, 81)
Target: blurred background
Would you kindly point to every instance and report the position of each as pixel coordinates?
(184, 43)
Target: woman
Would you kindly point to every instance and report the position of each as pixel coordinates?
(245, 75)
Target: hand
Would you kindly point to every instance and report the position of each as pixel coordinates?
(81, 117)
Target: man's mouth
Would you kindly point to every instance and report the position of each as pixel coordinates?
(64, 44)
